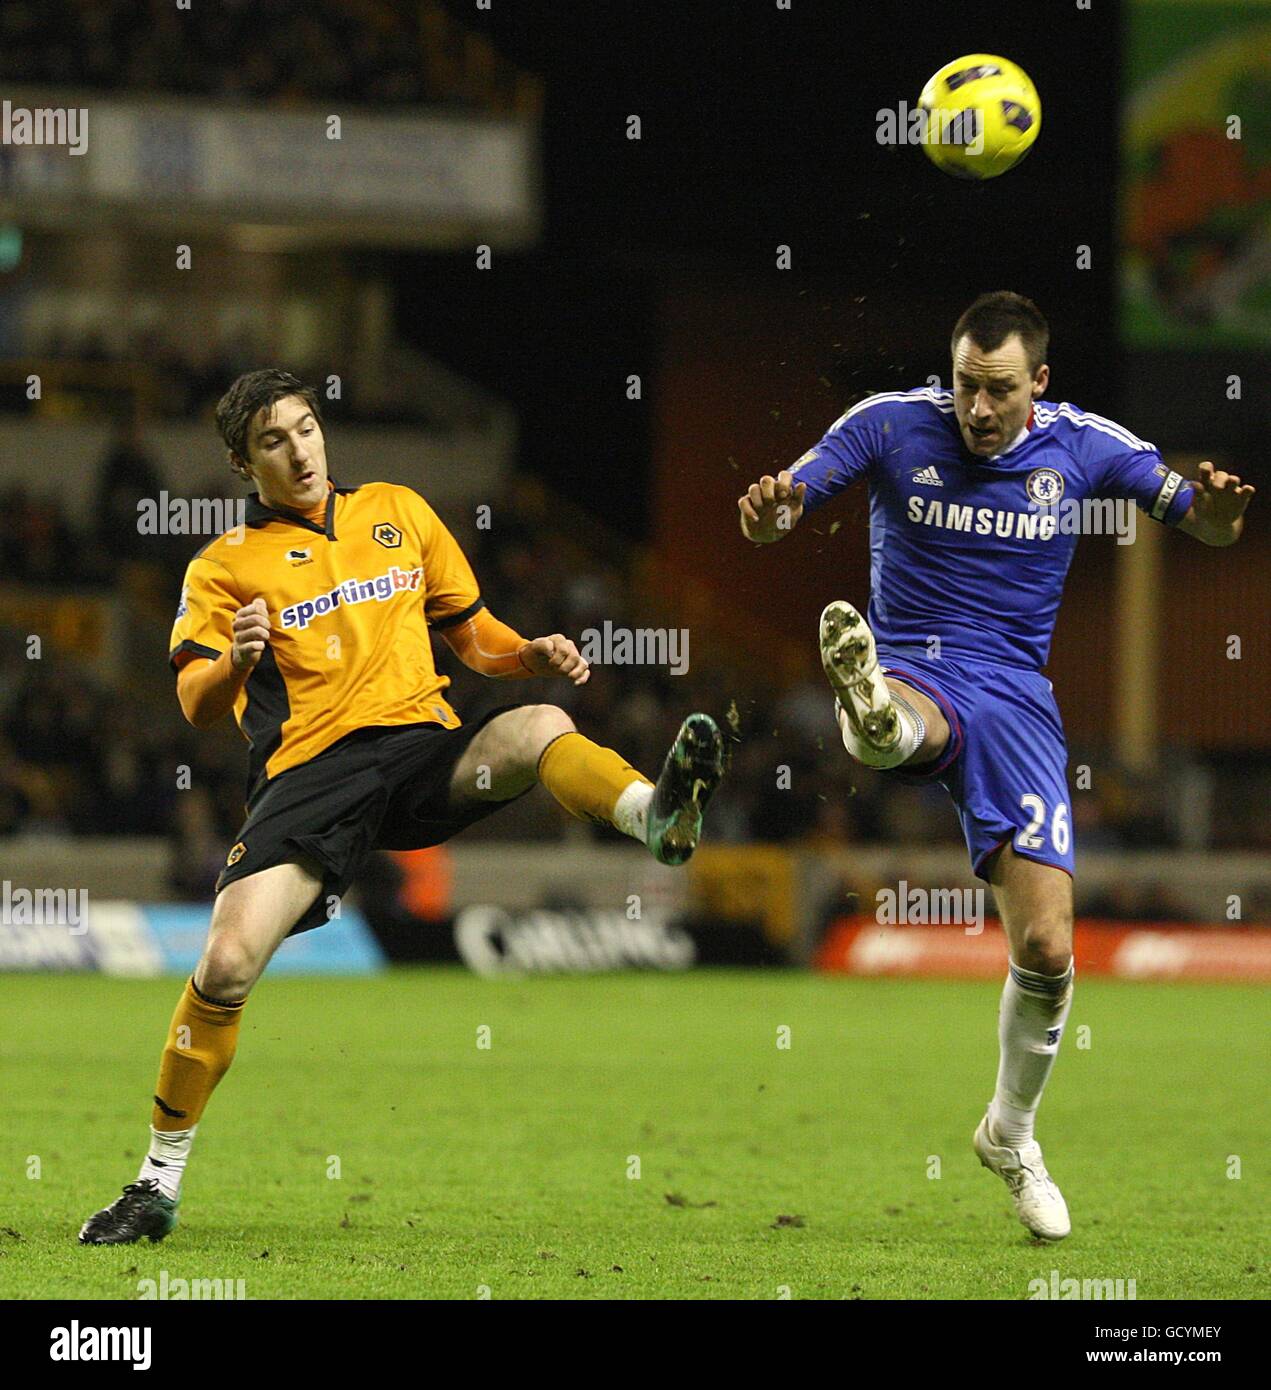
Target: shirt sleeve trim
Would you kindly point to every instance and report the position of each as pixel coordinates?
(450, 619)
(194, 649)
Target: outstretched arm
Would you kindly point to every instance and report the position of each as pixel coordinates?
(845, 453)
(490, 647)
(1216, 515)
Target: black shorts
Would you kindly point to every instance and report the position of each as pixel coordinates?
(377, 788)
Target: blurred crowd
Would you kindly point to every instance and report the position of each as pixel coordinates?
(185, 373)
(88, 357)
(277, 49)
(40, 544)
(90, 361)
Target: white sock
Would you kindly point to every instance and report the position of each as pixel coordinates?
(912, 733)
(165, 1163)
(631, 814)
(1030, 1026)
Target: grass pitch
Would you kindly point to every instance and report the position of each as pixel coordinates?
(637, 1136)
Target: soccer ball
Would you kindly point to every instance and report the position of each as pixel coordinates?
(982, 114)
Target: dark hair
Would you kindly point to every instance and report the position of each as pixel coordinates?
(255, 391)
(995, 317)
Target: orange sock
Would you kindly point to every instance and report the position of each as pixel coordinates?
(201, 1042)
(586, 779)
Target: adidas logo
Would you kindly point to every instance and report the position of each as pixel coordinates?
(928, 477)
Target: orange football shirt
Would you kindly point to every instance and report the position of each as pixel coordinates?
(350, 601)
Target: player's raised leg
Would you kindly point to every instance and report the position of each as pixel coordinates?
(539, 743)
(251, 917)
(884, 722)
(1035, 902)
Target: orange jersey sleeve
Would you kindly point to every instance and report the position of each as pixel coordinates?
(204, 623)
(207, 689)
(450, 587)
(199, 649)
(486, 645)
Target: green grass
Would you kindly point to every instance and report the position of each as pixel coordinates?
(507, 1168)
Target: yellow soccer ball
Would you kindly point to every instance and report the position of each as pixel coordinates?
(982, 115)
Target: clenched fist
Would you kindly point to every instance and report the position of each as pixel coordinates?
(251, 635)
(554, 656)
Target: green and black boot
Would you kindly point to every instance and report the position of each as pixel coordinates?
(690, 774)
(142, 1211)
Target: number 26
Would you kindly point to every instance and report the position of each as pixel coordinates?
(1060, 836)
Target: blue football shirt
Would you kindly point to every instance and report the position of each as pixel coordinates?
(974, 551)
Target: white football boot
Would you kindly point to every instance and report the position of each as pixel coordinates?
(1038, 1202)
(850, 661)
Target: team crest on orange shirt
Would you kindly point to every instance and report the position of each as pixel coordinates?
(235, 854)
(387, 534)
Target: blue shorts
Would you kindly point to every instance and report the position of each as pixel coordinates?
(1006, 765)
